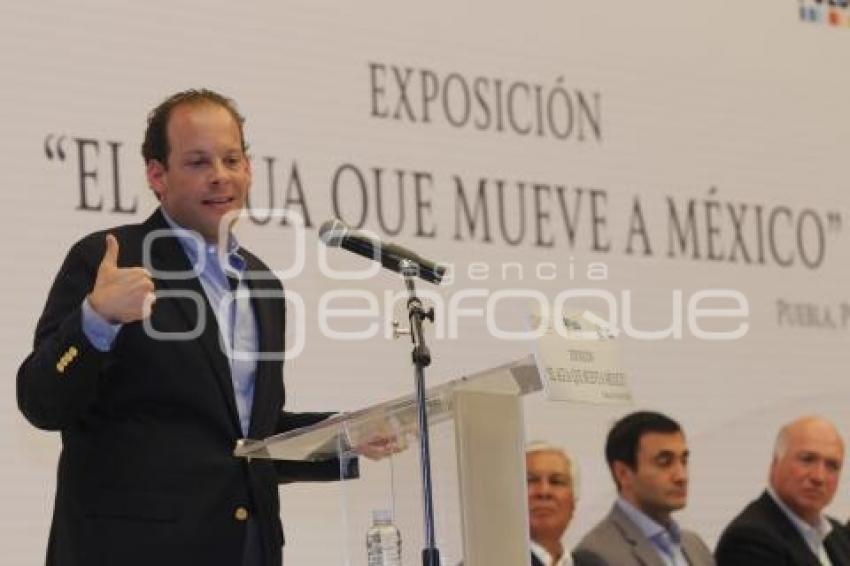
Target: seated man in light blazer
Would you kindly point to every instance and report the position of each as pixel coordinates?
(648, 458)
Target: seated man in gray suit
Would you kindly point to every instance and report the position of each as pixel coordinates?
(648, 458)
(552, 482)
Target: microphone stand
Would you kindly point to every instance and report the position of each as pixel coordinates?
(421, 359)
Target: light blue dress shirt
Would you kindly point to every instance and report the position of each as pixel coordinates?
(234, 314)
(667, 541)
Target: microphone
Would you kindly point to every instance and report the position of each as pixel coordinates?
(336, 234)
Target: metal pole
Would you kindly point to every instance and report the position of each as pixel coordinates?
(421, 359)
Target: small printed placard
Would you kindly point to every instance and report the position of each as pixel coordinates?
(579, 360)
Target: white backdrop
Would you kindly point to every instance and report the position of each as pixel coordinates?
(732, 112)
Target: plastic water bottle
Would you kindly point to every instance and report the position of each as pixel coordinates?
(383, 540)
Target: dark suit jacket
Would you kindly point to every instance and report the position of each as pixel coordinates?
(762, 535)
(146, 474)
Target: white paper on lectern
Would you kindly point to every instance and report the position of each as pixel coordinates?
(579, 360)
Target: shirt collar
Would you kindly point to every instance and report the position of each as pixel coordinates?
(545, 558)
(818, 532)
(192, 243)
(647, 525)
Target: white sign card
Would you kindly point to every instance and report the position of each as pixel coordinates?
(579, 360)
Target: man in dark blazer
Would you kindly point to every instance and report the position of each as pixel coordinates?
(648, 457)
(786, 525)
(150, 397)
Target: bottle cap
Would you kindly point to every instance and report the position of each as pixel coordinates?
(382, 516)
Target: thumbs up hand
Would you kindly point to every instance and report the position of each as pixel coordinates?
(121, 295)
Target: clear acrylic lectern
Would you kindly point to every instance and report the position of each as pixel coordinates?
(477, 455)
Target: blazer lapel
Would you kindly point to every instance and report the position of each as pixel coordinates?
(641, 547)
(265, 299)
(168, 257)
(693, 556)
(263, 376)
(787, 530)
(837, 543)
